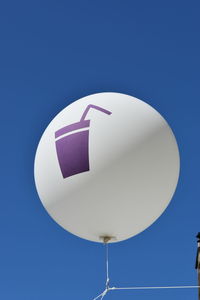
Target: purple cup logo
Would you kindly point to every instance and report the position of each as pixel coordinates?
(72, 143)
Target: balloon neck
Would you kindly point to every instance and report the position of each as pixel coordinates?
(106, 239)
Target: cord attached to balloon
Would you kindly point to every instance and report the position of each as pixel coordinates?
(107, 284)
(106, 240)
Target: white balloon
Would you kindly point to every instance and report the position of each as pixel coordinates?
(107, 165)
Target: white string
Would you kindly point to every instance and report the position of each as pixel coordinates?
(155, 287)
(104, 293)
(108, 289)
(98, 297)
(107, 267)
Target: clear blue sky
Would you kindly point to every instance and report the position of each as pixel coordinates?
(52, 53)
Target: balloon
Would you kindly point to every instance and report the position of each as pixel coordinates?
(106, 165)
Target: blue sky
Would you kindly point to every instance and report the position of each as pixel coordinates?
(52, 53)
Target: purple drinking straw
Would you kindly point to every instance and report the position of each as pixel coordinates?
(95, 107)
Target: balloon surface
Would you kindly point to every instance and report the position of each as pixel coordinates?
(106, 165)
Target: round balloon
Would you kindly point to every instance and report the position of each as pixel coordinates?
(107, 165)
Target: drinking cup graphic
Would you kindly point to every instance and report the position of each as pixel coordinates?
(72, 145)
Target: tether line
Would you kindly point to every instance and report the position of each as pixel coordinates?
(109, 289)
(107, 267)
(97, 297)
(155, 287)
